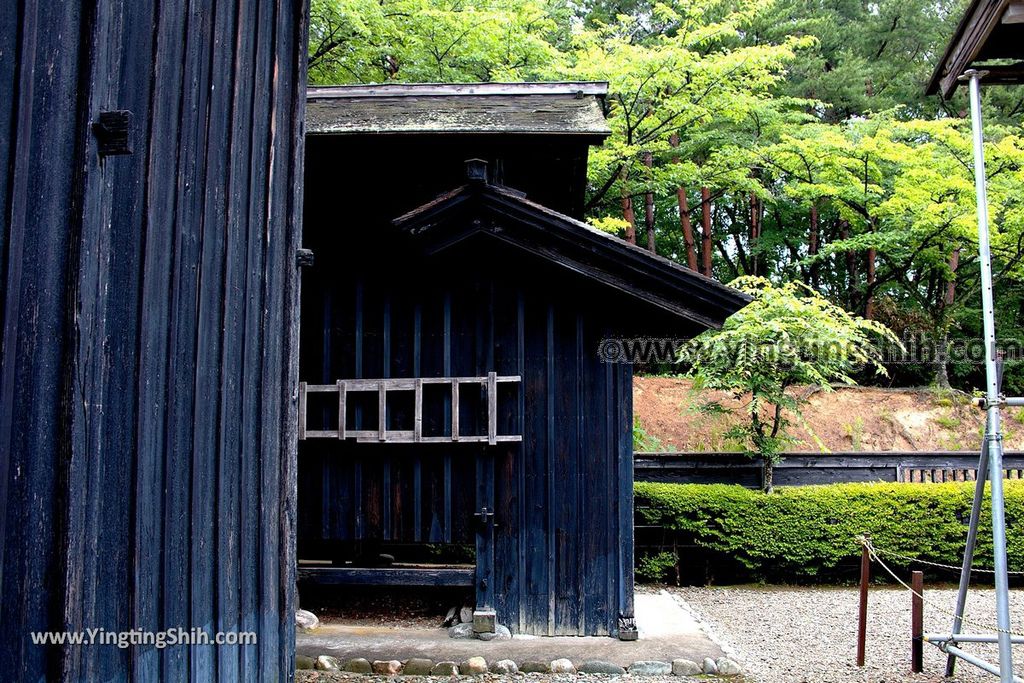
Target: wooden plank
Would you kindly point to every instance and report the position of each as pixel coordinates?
(382, 411)
(388, 576)
(302, 410)
(815, 468)
(455, 410)
(342, 408)
(492, 408)
(407, 383)
(419, 90)
(418, 412)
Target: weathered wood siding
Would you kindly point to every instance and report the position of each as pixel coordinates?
(805, 469)
(563, 544)
(149, 356)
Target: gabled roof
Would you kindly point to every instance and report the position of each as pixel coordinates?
(564, 109)
(989, 30)
(506, 215)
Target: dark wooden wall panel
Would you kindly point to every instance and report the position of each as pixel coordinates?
(559, 550)
(149, 357)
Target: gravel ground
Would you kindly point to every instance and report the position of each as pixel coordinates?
(335, 677)
(808, 635)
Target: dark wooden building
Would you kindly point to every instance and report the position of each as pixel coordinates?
(455, 402)
(150, 167)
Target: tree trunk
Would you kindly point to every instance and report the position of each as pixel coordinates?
(813, 246)
(705, 238)
(649, 208)
(851, 264)
(942, 361)
(689, 245)
(755, 231)
(954, 263)
(869, 301)
(687, 225)
(767, 475)
(942, 338)
(627, 209)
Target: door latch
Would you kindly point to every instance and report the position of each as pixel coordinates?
(486, 516)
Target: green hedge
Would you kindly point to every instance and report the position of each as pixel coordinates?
(806, 532)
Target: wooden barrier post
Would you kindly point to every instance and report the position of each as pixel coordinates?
(917, 622)
(862, 617)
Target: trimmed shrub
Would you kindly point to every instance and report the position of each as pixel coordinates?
(806, 532)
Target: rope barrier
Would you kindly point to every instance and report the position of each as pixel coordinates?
(873, 552)
(939, 565)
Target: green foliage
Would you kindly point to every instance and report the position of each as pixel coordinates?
(655, 567)
(805, 123)
(642, 441)
(806, 532)
(372, 41)
(789, 335)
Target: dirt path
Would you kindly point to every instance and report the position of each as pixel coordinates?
(849, 419)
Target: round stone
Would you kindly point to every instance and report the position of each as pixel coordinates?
(650, 668)
(358, 666)
(418, 666)
(303, 662)
(500, 633)
(327, 663)
(562, 666)
(388, 667)
(598, 666)
(461, 631)
(685, 667)
(709, 666)
(727, 667)
(473, 666)
(305, 620)
(504, 666)
(535, 667)
(445, 669)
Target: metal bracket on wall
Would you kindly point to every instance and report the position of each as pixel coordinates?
(113, 131)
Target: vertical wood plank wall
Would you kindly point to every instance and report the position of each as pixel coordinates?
(149, 352)
(560, 545)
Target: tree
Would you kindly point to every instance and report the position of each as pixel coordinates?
(412, 41)
(682, 88)
(787, 336)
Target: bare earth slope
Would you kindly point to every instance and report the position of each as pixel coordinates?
(849, 419)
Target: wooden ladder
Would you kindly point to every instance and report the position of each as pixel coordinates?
(344, 387)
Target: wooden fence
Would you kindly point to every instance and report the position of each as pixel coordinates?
(818, 468)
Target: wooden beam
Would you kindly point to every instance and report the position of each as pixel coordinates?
(492, 408)
(455, 410)
(342, 408)
(302, 411)
(417, 427)
(599, 88)
(388, 576)
(980, 19)
(382, 410)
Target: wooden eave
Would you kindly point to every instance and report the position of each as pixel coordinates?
(557, 109)
(505, 215)
(982, 35)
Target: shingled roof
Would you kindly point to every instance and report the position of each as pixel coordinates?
(567, 109)
(505, 215)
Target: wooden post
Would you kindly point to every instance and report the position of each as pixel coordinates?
(917, 622)
(862, 617)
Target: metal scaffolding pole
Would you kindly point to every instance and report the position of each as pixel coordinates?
(972, 539)
(992, 449)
